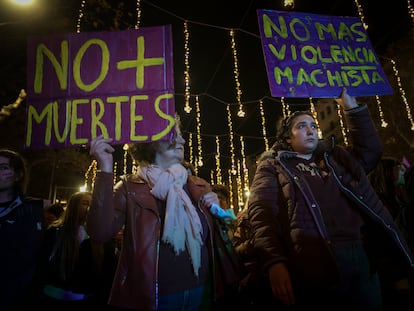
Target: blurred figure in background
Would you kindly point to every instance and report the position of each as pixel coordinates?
(53, 212)
(223, 194)
(388, 180)
(77, 271)
(21, 233)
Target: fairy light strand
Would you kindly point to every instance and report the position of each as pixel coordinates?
(90, 175)
(263, 120)
(381, 114)
(190, 147)
(80, 16)
(231, 188)
(410, 10)
(233, 163)
(125, 148)
(315, 116)
(244, 166)
(402, 93)
(199, 147)
(114, 171)
(187, 107)
(138, 11)
(218, 164)
(285, 108)
(290, 4)
(361, 14)
(241, 112)
(341, 124)
(239, 183)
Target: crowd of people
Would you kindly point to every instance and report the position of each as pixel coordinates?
(325, 226)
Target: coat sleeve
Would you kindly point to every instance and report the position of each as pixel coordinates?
(365, 143)
(107, 212)
(263, 210)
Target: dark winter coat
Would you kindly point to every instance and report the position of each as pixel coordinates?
(287, 221)
(21, 235)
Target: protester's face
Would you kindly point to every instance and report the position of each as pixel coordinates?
(304, 135)
(7, 174)
(170, 153)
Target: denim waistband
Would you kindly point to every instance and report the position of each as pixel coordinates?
(62, 294)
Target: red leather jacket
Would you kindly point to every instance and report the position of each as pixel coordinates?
(131, 203)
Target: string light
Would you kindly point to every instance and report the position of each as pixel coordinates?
(315, 116)
(266, 141)
(218, 165)
(191, 147)
(402, 93)
(115, 170)
(361, 14)
(200, 150)
(80, 16)
(239, 183)
(244, 166)
(241, 112)
(341, 124)
(233, 163)
(290, 4)
(285, 108)
(90, 175)
(381, 114)
(187, 107)
(138, 10)
(231, 189)
(410, 10)
(125, 148)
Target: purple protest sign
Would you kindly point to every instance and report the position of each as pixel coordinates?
(116, 83)
(309, 55)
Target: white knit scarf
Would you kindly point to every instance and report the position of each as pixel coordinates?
(182, 225)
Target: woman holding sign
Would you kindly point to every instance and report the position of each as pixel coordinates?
(319, 229)
(172, 257)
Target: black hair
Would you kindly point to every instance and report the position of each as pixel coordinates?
(18, 164)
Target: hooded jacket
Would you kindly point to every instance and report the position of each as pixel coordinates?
(287, 221)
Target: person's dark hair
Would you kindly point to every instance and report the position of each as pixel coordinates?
(67, 244)
(221, 189)
(19, 166)
(56, 209)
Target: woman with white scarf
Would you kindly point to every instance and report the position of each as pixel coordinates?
(171, 258)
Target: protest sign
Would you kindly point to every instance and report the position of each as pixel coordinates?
(310, 55)
(116, 83)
